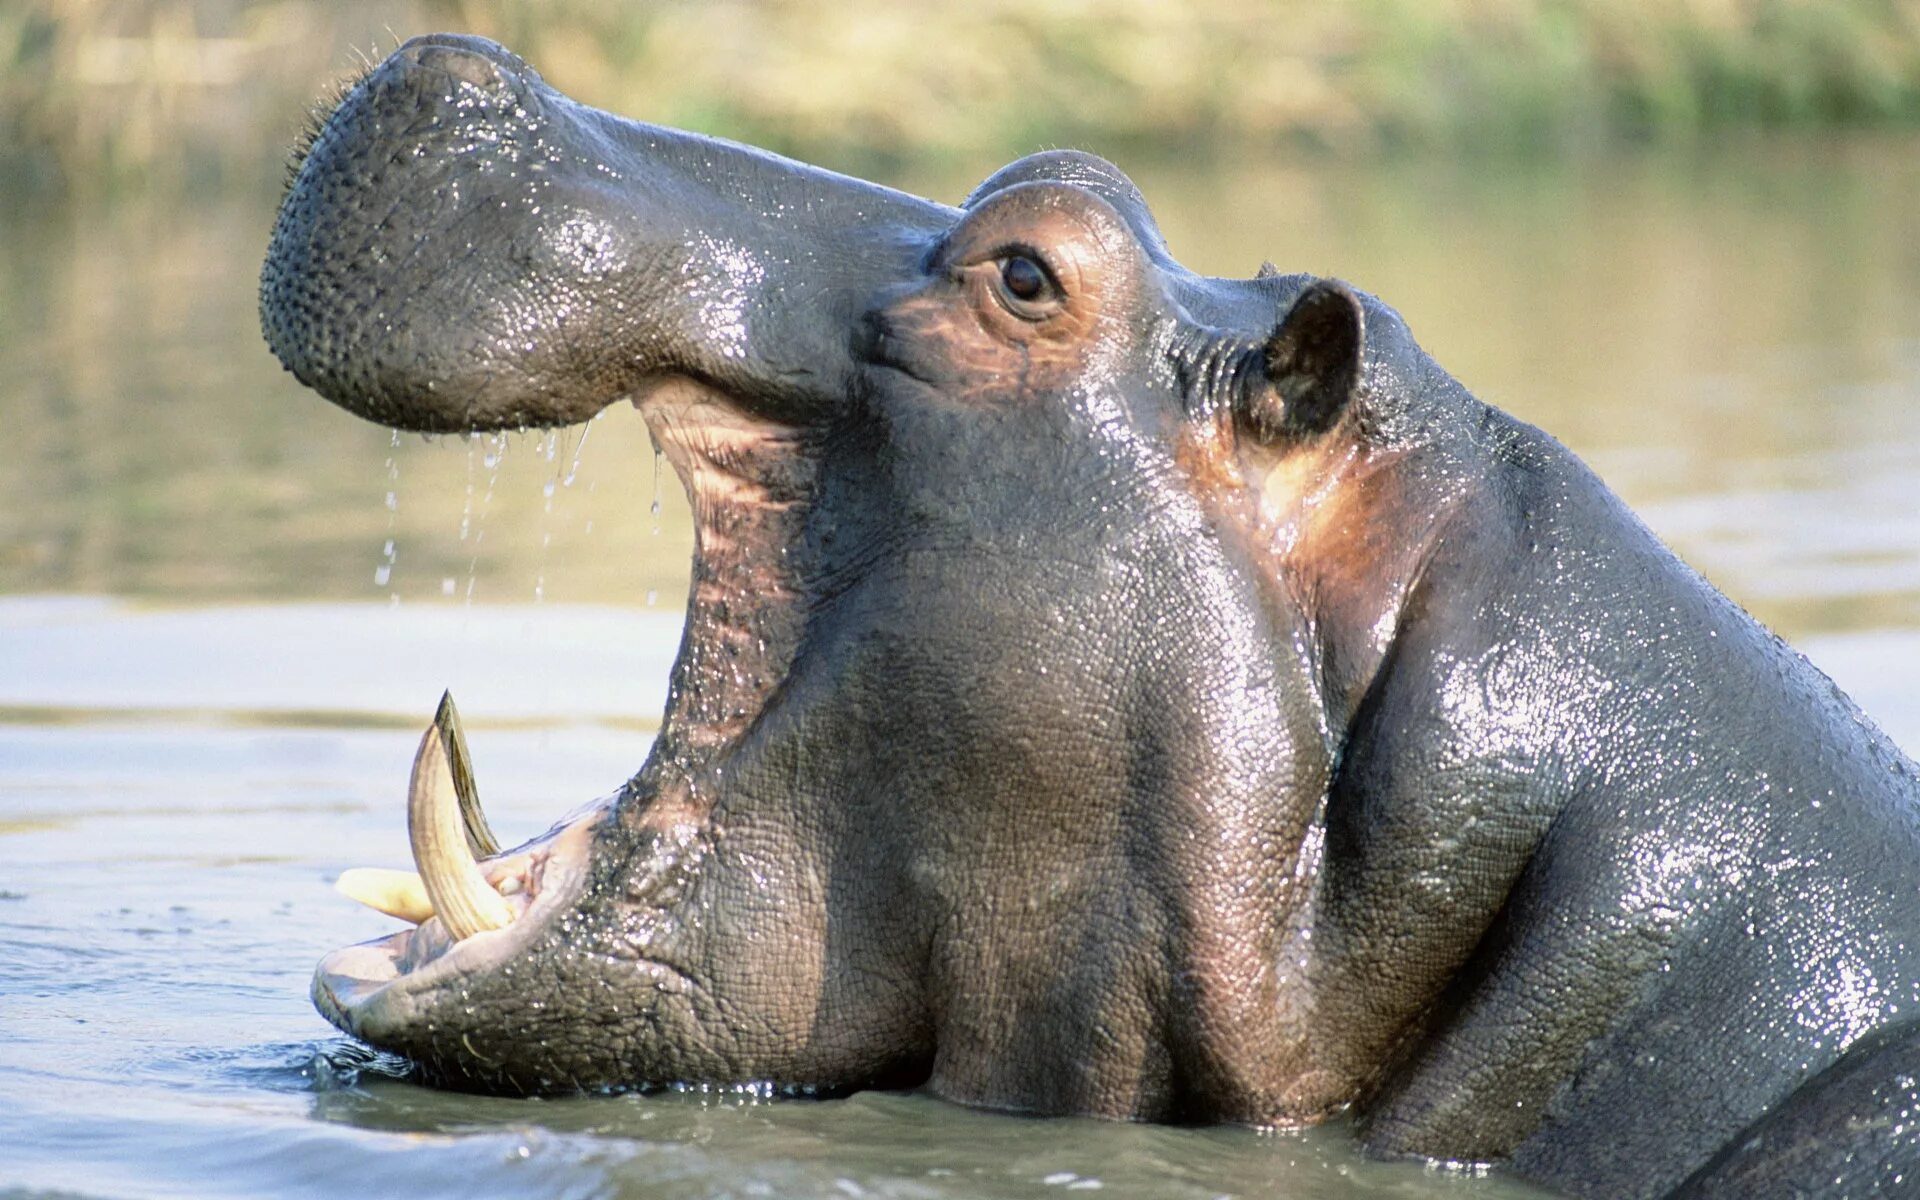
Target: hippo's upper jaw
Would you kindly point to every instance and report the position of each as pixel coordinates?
(465, 248)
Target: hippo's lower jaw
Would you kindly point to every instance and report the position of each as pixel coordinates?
(376, 990)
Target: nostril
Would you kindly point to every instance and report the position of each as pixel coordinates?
(466, 66)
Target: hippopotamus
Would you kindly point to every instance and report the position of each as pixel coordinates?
(1105, 689)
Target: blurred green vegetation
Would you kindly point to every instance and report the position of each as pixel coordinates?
(179, 95)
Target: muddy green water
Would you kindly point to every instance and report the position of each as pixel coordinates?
(212, 662)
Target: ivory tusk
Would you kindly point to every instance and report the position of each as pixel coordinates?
(395, 893)
(463, 900)
(480, 839)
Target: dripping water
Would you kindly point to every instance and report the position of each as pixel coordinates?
(579, 447)
(653, 594)
(492, 448)
(549, 450)
(655, 506)
(383, 573)
(578, 450)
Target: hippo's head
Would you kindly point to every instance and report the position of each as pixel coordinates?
(993, 742)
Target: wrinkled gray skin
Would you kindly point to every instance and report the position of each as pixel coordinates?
(1106, 689)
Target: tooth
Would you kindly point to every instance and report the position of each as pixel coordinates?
(480, 839)
(463, 900)
(395, 893)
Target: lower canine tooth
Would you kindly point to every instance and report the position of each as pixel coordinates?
(462, 898)
(395, 893)
(480, 837)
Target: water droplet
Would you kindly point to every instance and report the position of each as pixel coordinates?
(656, 492)
(573, 468)
(384, 571)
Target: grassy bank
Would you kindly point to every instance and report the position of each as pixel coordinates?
(100, 95)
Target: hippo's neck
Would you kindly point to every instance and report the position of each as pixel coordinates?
(749, 484)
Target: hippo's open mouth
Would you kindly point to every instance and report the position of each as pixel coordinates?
(477, 909)
(464, 248)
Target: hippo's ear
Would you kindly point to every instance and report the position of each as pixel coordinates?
(1311, 364)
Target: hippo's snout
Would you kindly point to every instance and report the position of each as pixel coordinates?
(379, 291)
(464, 248)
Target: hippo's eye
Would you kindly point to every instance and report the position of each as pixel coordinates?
(1026, 287)
(1023, 277)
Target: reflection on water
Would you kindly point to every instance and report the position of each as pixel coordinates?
(1734, 343)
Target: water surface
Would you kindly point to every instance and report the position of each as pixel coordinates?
(228, 607)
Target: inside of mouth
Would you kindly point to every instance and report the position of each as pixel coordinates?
(749, 485)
